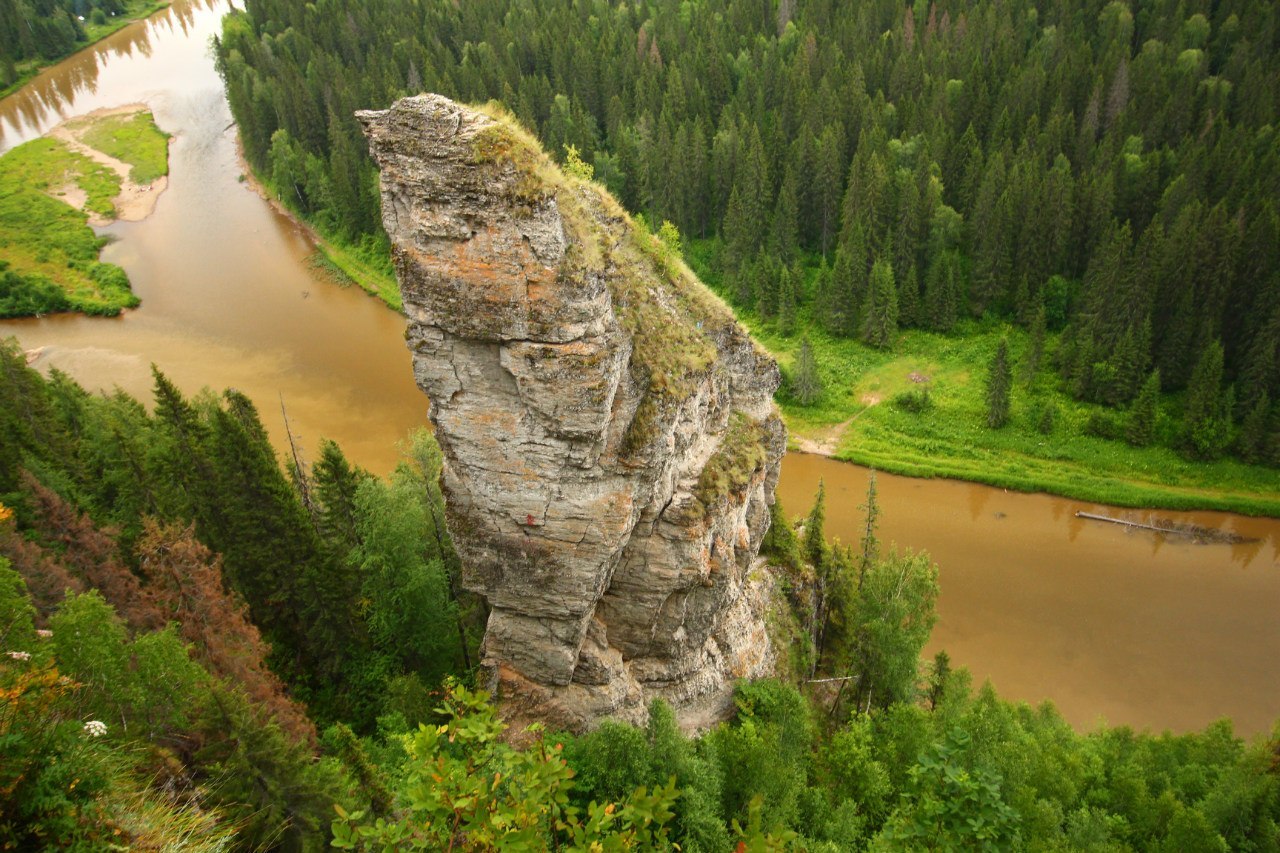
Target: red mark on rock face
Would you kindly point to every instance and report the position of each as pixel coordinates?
(528, 519)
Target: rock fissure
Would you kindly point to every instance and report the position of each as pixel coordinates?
(610, 443)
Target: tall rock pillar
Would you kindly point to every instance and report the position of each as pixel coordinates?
(610, 442)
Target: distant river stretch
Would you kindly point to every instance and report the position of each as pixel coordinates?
(1107, 624)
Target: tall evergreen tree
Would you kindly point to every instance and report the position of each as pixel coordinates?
(1142, 417)
(999, 383)
(807, 384)
(880, 313)
(1206, 426)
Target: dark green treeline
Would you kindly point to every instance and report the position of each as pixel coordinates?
(45, 30)
(1113, 166)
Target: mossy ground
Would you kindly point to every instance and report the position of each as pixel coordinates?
(670, 314)
(857, 420)
(47, 243)
(740, 456)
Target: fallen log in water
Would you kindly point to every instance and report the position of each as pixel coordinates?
(1195, 532)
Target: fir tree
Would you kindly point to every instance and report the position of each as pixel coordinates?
(942, 292)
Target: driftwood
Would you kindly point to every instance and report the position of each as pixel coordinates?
(1196, 533)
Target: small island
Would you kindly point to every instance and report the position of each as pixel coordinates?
(108, 165)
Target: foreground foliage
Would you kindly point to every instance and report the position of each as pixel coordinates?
(464, 788)
(162, 675)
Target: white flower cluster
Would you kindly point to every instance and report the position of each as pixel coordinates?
(19, 655)
(44, 633)
(95, 728)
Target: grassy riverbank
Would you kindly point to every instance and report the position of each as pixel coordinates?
(49, 189)
(134, 10)
(857, 419)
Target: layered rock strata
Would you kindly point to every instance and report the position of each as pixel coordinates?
(610, 441)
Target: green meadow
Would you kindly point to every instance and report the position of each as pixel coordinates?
(867, 414)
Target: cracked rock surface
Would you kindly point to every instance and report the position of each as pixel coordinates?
(610, 441)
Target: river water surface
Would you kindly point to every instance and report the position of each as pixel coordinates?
(1109, 625)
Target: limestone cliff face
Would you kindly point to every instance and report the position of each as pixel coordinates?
(610, 442)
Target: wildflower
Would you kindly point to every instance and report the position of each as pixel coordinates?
(95, 728)
(5, 513)
(19, 655)
(44, 633)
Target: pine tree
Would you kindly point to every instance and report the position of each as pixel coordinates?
(880, 315)
(1142, 417)
(999, 380)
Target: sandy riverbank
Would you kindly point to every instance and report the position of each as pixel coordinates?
(135, 201)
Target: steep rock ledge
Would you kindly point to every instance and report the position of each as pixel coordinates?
(610, 441)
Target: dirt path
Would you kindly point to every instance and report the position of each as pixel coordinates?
(825, 442)
(135, 201)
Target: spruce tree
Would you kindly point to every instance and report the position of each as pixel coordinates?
(909, 298)
(786, 302)
(840, 312)
(336, 481)
(1036, 353)
(807, 384)
(1253, 431)
(942, 292)
(1205, 424)
(880, 315)
(815, 540)
(1142, 417)
(999, 380)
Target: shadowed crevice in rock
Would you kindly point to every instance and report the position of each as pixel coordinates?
(610, 441)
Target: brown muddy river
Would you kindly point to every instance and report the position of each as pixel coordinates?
(1109, 625)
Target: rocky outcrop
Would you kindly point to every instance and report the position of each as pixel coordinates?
(611, 446)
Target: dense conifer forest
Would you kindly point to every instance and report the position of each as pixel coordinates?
(207, 645)
(1101, 171)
